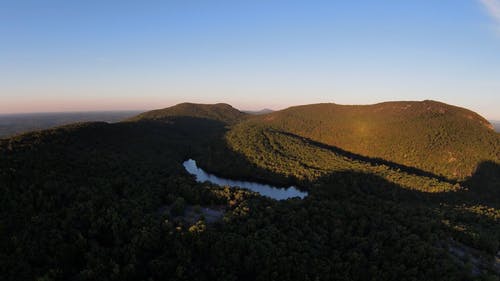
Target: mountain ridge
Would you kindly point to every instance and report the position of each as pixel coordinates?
(433, 136)
(432, 106)
(222, 112)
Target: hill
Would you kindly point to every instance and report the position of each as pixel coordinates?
(98, 201)
(435, 137)
(259, 112)
(219, 112)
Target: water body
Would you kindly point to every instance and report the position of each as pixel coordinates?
(278, 193)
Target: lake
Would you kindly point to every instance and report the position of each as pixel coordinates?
(274, 192)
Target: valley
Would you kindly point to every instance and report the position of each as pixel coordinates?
(395, 191)
(274, 192)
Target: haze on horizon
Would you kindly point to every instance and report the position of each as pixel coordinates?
(122, 55)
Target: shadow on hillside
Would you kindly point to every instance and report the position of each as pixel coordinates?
(204, 141)
(449, 210)
(484, 184)
(187, 126)
(351, 183)
(218, 159)
(370, 160)
(458, 212)
(214, 156)
(189, 134)
(482, 188)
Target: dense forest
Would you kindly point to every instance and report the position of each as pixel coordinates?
(439, 138)
(98, 201)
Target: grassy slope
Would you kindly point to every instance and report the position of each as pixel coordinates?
(432, 136)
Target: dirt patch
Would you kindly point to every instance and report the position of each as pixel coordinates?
(193, 213)
(479, 262)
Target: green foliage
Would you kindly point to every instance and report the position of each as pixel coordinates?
(219, 112)
(300, 159)
(435, 137)
(178, 207)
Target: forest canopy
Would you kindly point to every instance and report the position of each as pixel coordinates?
(98, 201)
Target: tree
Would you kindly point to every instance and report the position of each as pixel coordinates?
(178, 207)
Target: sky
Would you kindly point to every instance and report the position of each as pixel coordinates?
(112, 55)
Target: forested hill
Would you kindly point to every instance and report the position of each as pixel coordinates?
(219, 112)
(446, 140)
(99, 201)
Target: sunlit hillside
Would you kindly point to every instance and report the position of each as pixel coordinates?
(432, 136)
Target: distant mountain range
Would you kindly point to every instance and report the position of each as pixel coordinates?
(11, 124)
(259, 112)
(496, 125)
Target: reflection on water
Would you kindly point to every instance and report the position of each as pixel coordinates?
(264, 189)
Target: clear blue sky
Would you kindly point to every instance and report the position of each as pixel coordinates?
(96, 55)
